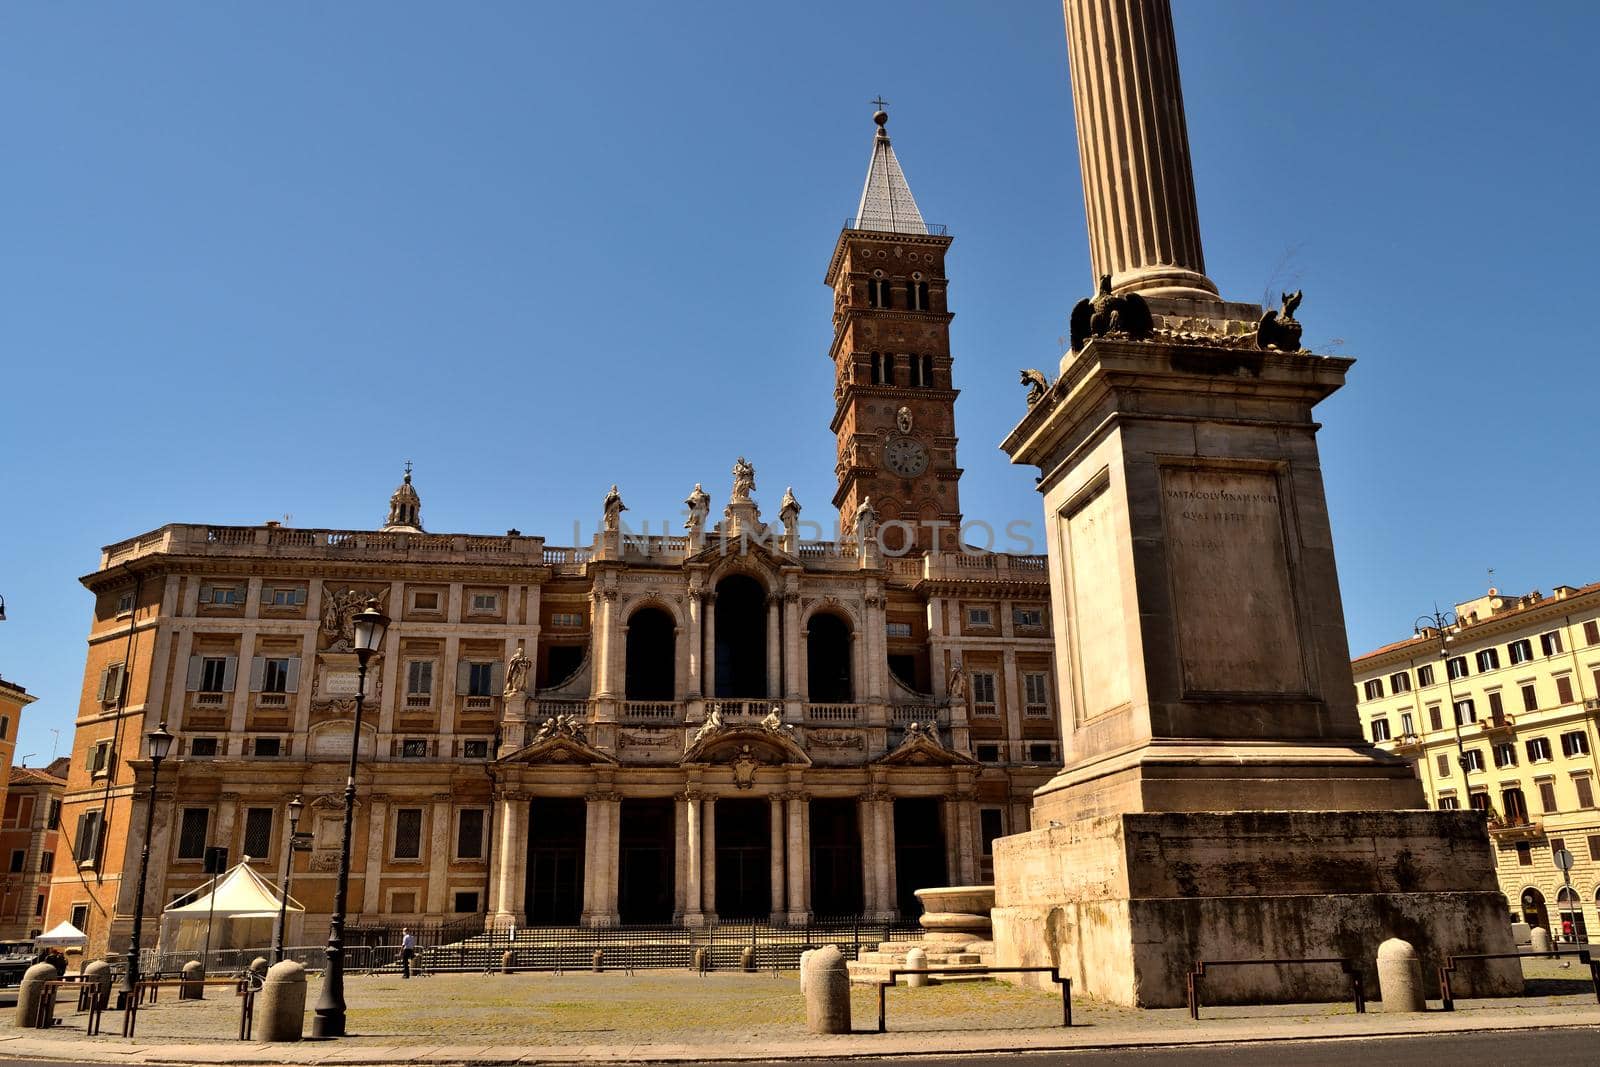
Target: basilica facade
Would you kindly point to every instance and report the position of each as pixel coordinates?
(736, 721)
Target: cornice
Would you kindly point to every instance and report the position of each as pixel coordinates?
(308, 567)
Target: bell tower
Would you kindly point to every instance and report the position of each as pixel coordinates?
(894, 413)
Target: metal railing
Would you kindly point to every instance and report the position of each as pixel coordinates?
(1055, 976)
(1446, 969)
(884, 224)
(1348, 966)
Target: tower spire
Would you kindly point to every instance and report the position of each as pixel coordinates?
(886, 201)
(405, 507)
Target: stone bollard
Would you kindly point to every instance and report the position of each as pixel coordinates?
(194, 973)
(31, 993)
(598, 964)
(508, 962)
(281, 1004)
(916, 958)
(747, 959)
(699, 964)
(1539, 940)
(827, 992)
(98, 974)
(1400, 977)
(805, 955)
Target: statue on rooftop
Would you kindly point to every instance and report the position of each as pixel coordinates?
(699, 505)
(1037, 385)
(1280, 329)
(517, 673)
(614, 507)
(744, 481)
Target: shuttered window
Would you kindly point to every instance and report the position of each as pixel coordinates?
(87, 845)
(212, 674)
(419, 677)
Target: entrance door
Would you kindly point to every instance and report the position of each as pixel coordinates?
(919, 857)
(1534, 912)
(744, 859)
(645, 860)
(555, 861)
(835, 858)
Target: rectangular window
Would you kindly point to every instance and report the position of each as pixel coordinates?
(192, 833)
(287, 598)
(268, 747)
(1449, 803)
(1488, 660)
(38, 906)
(1443, 762)
(55, 817)
(1456, 667)
(202, 747)
(983, 689)
(1380, 729)
(99, 758)
(1505, 755)
(224, 594)
(125, 605)
(1465, 712)
(1530, 697)
(1550, 643)
(414, 748)
(1497, 709)
(1538, 749)
(1407, 726)
(987, 753)
(475, 749)
(408, 834)
(80, 917)
(1591, 632)
(485, 603)
(425, 601)
(480, 679)
(897, 629)
(979, 617)
(214, 674)
(1041, 752)
(1524, 854)
(1575, 743)
(1473, 759)
(419, 678)
(1373, 688)
(1520, 651)
(1585, 790)
(113, 680)
(1435, 718)
(1547, 797)
(1036, 693)
(1400, 683)
(258, 832)
(991, 824)
(1594, 847)
(1563, 689)
(1479, 801)
(275, 675)
(47, 862)
(1425, 675)
(466, 902)
(1027, 617)
(568, 620)
(469, 834)
(19, 856)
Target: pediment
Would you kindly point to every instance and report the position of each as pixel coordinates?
(559, 749)
(755, 743)
(762, 548)
(921, 747)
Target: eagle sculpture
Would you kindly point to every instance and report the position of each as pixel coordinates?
(1037, 385)
(1280, 329)
(1108, 313)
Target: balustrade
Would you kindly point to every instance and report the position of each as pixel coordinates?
(651, 710)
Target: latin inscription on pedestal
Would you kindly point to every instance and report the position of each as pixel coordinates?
(1098, 622)
(1236, 618)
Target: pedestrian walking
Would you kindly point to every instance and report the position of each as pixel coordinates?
(408, 949)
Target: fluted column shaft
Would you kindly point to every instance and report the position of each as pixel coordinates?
(1133, 147)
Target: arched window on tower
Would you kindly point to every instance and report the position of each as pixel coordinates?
(919, 296)
(888, 369)
(878, 292)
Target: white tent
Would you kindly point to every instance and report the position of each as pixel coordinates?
(242, 905)
(64, 936)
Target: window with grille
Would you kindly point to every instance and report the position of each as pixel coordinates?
(408, 834)
(1538, 749)
(258, 832)
(1425, 675)
(414, 748)
(1373, 688)
(979, 617)
(1380, 729)
(1488, 660)
(475, 749)
(1520, 651)
(202, 747)
(1575, 743)
(983, 692)
(469, 834)
(1036, 693)
(192, 833)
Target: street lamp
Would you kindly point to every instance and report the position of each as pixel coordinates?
(1442, 623)
(160, 743)
(296, 806)
(328, 1020)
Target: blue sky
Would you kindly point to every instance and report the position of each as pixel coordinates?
(256, 256)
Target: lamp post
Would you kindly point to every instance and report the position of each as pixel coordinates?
(296, 806)
(328, 1021)
(160, 743)
(1441, 623)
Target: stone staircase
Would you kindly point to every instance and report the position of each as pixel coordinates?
(955, 921)
(873, 967)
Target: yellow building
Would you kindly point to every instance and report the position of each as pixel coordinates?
(1498, 710)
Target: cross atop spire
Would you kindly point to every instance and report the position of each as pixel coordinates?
(886, 201)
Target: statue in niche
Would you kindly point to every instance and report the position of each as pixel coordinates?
(956, 686)
(517, 673)
(699, 505)
(866, 521)
(1280, 329)
(1037, 385)
(744, 481)
(614, 507)
(1108, 313)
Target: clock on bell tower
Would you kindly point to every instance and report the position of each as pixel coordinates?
(895, 406)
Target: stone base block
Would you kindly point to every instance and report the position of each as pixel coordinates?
(1125, 904)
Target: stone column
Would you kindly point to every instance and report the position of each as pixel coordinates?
(798, 861)
(888, 883)
(439, 855)
(601, 853)
(774, 649)
(510, 854)
(778, 849)
(239, 713)
(794, 663)
(689, 805)
(696, 640)
(709, 675)
(603, 600)
(377, 834)
(1133, 147)
(1011, 686)
(866, 826)
(708, 858)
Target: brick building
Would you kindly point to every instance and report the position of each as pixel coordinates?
(29, 829)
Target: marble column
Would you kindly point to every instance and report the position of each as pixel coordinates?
(691, 687)
(709, 675)
(377, 835)
(602, 850)
(799, 860)
(866, 826)
(708, 858)
(439, 856)
(774, 649)
(888, 882)
(1133, 147)
(777, 838)
(794, 663)
(689, 806)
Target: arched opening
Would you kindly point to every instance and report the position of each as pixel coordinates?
(741, 637)
(828, 660)
(652, 656)
(1534, 913)
(1570, 908)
